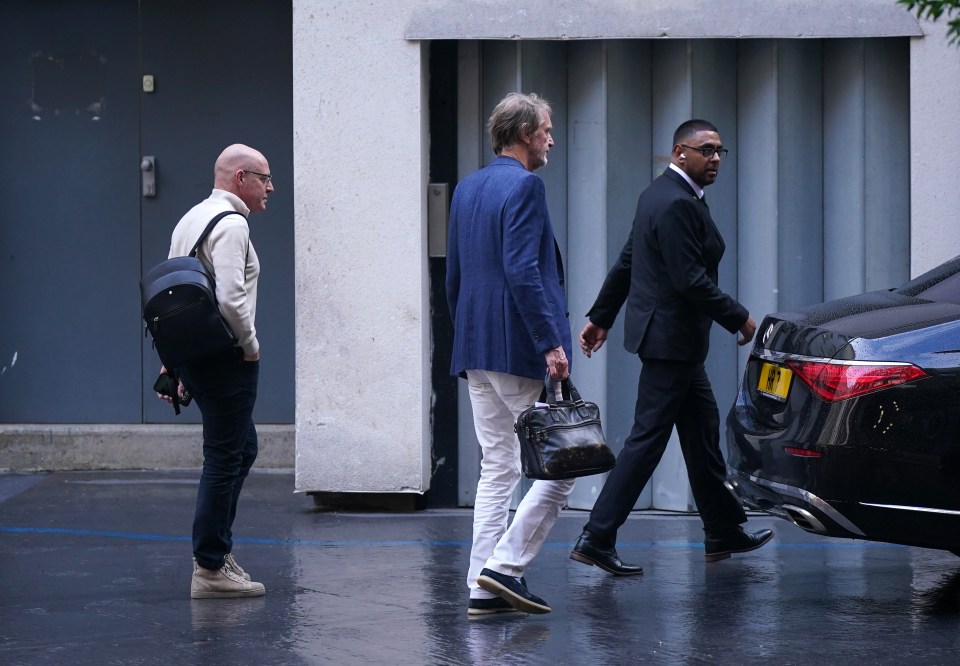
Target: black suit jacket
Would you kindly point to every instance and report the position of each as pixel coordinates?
(667, 274)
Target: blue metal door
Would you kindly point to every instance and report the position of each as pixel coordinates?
(222, 74)
(75, 232)
(69, 230)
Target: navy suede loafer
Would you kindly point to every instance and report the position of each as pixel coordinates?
(513, 591)
(489, 606)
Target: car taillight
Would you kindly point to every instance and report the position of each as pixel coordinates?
(802, 453)
(839, 381)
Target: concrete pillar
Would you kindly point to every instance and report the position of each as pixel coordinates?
(362, 319)
(934, 135)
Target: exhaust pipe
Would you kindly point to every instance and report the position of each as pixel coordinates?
(804, 519)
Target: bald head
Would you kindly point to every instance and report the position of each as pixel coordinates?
(244, 171)
(237, 157)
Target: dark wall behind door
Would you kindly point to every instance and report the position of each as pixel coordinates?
(75, 233)
(224, 74)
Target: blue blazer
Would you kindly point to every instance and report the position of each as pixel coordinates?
(504, 274)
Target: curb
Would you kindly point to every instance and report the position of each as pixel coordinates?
(64, 447)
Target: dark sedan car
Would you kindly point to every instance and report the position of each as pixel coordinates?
(847, 422)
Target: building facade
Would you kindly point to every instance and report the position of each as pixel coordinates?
(837, 115)
(828, 107)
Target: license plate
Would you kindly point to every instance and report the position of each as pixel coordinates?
(775, 381)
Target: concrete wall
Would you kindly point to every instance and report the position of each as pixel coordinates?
(654, 19)
(934, 141)
(360, 151)
(44, 447)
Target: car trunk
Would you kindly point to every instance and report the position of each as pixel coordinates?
(827, 331)
(822, 331)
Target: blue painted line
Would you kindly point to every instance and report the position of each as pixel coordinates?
(272, 542)
(650, 545)
(99, 533)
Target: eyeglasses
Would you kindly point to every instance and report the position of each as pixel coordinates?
(709, 151)
(265, 178)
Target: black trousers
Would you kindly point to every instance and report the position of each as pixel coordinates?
(669, 393)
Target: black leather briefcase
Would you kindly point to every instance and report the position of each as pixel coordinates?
(562, 439)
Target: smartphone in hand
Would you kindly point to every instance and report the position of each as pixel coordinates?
(167, 385)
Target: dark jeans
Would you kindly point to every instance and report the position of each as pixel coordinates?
(669, 393)
(225, 390)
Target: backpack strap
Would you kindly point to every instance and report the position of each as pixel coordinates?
(210, 226)
(176, 389)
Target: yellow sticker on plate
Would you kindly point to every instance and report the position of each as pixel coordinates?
(775, 381)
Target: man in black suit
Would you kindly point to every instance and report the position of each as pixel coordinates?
(667, 275)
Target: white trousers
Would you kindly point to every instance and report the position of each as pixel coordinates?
(497, 399)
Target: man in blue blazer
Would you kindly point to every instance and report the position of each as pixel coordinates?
(506, 297)
(667, 275)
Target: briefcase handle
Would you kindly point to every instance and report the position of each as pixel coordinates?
(568, 390)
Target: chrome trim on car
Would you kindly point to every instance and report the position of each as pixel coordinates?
(920, 509)
(775, 356)
(770, 355)
(766, 335)
(807, 497)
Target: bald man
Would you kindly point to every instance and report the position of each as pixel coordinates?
(224, 386)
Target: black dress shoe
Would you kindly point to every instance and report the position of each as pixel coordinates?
(720, 547)
(590, 552)
(513, 591)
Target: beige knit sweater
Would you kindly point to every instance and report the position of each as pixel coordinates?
(229, 255)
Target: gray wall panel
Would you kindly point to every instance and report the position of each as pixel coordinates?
(586, 256)
(714, 99)
(757, 161)
(472, 147)
(799, 173)
(499, 75)
(471, 137)
(843, 176)
(629, 145)
(672, 97)
(673, 81)
(543, 70)
(887, 163)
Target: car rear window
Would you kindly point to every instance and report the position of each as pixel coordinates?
(942, 284)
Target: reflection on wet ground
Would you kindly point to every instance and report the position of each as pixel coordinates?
(95, 568)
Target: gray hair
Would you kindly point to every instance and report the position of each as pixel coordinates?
(517, 115)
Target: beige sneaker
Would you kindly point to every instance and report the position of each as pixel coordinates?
(222, 583)
(231, 562)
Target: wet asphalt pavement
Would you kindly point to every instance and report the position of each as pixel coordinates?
(95, 569)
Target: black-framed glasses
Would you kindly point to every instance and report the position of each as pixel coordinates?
(709, 151)
(265, 178)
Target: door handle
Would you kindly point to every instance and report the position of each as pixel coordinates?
(148, 175)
